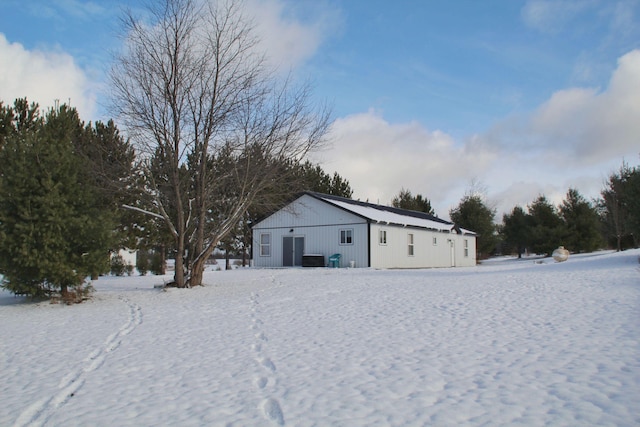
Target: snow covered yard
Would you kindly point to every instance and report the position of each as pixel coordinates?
(505, 343)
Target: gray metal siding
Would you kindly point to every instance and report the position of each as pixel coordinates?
(320, 225)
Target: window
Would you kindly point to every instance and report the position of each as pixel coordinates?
(466, 248)
(383, 237)
(410, 244)
(265, 244)
(346, 237)
(435, 241)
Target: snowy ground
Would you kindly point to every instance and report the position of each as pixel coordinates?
(506, 343)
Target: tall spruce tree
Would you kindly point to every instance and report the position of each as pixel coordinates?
(54, 234)
(582, 225)
(620, 207)
(473, 214)
(515, 230)
(405, 200)
(545, 226)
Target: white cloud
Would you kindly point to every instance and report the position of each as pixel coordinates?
(43, 77)
(573, 140)
(287, 40)
(590, 124)
(379, 158)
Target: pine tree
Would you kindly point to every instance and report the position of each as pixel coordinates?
(405, 200)
(582, 224)
(53, 233)
(620, 207)
(515, 231)
(545, 226)
(473, 214)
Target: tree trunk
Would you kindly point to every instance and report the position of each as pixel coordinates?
(163, 260)
(197, 271)
(178, 275)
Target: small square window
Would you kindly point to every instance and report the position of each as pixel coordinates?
(346, 237)
(383, 237)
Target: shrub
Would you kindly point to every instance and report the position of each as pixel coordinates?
(118, 266)
(143, 262)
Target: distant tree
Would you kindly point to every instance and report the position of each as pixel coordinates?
(53, 232)
(311, 177)
(405, 200)
(473, 214)
(581, 222)
(515, 230)
(619, 207)
(545, 226)
(633, 203)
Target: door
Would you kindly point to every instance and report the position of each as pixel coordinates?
(292, 251)
(452, 243)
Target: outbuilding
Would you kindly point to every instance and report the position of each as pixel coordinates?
(323, 230)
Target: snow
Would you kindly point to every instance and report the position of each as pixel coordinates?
(383, 216)
(505, 343)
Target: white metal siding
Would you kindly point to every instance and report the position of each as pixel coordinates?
(395, 254)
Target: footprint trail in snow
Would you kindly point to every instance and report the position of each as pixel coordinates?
(39, 412)
(265, 379)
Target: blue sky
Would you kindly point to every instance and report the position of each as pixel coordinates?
(517, 98)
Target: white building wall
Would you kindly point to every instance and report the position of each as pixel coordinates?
(129, 256)
(320, 225)
(430, 248)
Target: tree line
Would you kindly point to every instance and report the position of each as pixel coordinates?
(218, 136)
(580, 225)
(216, 139)
(63, 186)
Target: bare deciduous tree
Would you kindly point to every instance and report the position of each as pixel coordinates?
(209, 119)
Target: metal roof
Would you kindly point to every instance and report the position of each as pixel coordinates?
(381, 214)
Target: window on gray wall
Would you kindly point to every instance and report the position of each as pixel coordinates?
(265, 244)
(346, 236)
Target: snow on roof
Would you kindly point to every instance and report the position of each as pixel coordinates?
(390, 215)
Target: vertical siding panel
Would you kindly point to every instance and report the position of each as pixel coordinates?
(320, 224)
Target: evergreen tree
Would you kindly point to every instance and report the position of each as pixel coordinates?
(473, 214)
(53, 234)
(545, 226)
(515, 230)
(582, 224)
(633, 202)
(405, 200)
(620, 207)
(311, 177)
